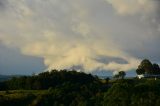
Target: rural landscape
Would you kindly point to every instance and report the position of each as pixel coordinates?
(79, 53)
(71, 88)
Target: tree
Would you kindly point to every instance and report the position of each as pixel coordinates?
(116, 76)
(147, 66)
(156, 68)
(118, 95)
(107, 80)
(122, 74)
(140, 71)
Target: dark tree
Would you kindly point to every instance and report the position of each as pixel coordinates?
(107, 80)
(122, 74)
(140, 71)
(147, 66)
(118, 95)
(156, 68)
(116, 76)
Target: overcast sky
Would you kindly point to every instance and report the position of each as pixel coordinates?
(87, 35)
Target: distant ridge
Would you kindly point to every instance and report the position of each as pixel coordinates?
(7, 77)
(4, 77)
(104, 77)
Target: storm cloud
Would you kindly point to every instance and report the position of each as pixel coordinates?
(85, 35)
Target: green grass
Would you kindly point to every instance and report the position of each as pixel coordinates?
(22, 93)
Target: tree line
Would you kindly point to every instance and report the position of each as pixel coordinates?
(48, 79)
(72, 88)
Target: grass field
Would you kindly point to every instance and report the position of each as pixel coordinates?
(20, 97)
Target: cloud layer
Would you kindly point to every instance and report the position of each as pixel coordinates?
(128, 7)
(85, 35)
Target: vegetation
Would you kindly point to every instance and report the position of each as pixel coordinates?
(55, 88)
(71, 88)
(133, 93)
(146, 67)
(120, 75)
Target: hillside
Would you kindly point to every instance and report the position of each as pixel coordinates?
(4, 77)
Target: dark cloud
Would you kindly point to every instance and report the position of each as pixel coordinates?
(3, 4)
(107, 60)
(77, 67)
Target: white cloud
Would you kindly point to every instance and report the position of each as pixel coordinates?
(129, 7)
(67, 33)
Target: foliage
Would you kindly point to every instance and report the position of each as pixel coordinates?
(140, 71)
(123, 92)
(133, 93)
(120, 74)
(71, 88)
(46, 80)
(64, 88)
(146, 67)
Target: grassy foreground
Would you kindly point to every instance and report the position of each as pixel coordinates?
(21, 97)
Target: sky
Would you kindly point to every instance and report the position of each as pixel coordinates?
(92, 36)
